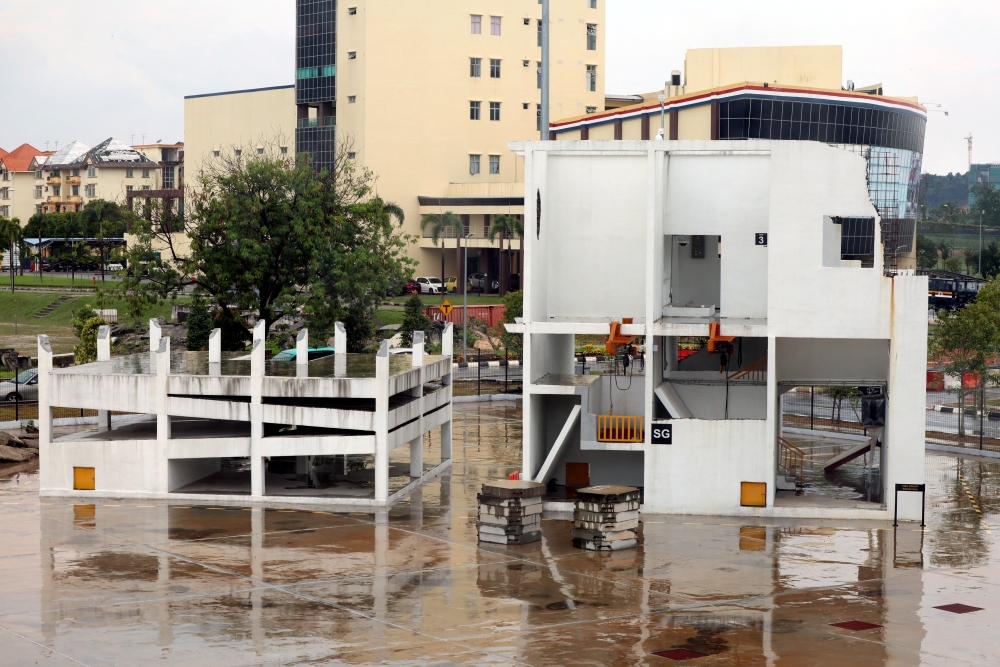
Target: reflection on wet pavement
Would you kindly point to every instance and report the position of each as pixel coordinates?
(137, 583)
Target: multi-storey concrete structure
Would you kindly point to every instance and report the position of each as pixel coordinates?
(784, 93)
(769, 249)
(77, 173)
(430, 123)
(194, 410)
(982, 174)
(22, 186)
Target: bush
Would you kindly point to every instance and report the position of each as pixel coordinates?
(514, 302)
(199, 326)
(85, 325)
(413, 320)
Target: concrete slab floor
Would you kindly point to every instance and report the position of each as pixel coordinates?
(141, 583)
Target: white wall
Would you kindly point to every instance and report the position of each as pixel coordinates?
(832, 359)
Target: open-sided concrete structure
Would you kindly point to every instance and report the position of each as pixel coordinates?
(773, 250)
(195, 409)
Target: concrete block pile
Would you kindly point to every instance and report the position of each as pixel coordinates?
(510, 512)
(606, 518)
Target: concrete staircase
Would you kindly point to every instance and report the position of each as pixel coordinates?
(848, 455)
(52, 306)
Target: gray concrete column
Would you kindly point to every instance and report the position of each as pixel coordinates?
(257, 367)
(448, 350)
(104, 354)
(382, 423)
(162, 370)
(340, 347)
(446, 440)
(302, 354)
(45, 412)
(417, 444)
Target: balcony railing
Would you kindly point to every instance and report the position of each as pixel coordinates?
(72, 180)
(615, 428)
(54, 180)
(330, 121)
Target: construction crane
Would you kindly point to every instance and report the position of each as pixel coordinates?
(969, 140)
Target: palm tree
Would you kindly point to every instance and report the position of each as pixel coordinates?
(94, 215)
(507, 226)
(438, 224)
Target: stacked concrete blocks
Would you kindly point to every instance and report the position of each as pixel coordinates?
(605, 518)
(510, 512)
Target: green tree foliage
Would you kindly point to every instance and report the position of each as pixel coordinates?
(10, 241)
(967, 339)
(85, 324)
(514, 302)
(199, 325)
(985, 198)
(936, 190)
(927, 256)
(991, 261)
(954, 264)
(272, 236)
(507, 227)
(413, 320)
(437, 225)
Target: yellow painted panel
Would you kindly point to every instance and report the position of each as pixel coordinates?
(693, 123)
(83, 479)
(632, 129)
(753, 494)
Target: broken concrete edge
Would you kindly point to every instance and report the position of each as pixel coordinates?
(486, 399)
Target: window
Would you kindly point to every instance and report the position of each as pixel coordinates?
(475, 67)
(145, 187)
(352, 55)
(526, 63)
(329, 70)
(168, 177)
(477, 24)
(38, 192)
(474, 165)
(591, 78)
(91, 171)
(129, 188)
(238, 152)
(91, 190)
(538, 117)
(4, 175)
(539, 33)
(527, 21)
(351, 11)
(591, 37)
(307, 72)
(75, 192)
(284, 150)
(524, 105)
(592, 4)
(145, 173)
(260, 151)
(538, 75)
(591, 109)
(494, 164)
(76, 172)
(56, 191)
(214, 154)
(494, 68)
(352, 99)
(129, 173)
(474, 107)
(494, 111)
(38, 174)
(4, 211)
(38, 208)
(351, 155)
(4, 193)
(494, 25)
(56, 173)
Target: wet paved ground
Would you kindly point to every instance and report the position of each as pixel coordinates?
(130, 583)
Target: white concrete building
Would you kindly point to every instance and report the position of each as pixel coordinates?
(191, 411)
(775, 244)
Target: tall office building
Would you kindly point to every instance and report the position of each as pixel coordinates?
(316, 80)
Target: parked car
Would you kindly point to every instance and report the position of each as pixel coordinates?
(314, 353)
(451, 284)
(114, 266)
(477, 281)
(25, 389)
(430, 285)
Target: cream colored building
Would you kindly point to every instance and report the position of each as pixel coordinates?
(22, 187)
(783, 93)
(427, 95)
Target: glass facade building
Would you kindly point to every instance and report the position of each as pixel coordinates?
(316, 80)
(890, 139)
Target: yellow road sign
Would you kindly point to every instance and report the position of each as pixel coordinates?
(446, 308)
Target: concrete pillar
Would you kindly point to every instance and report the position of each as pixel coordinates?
(104, 354)
(301, 465)
(215, 352)
(45, 414)
(448, 340)
(448, 350)
(302, 347)
(340, 347)
(154, 343)
(446, 440)
(162, 370)
(417, 444)
(382, 423)
(257, 365)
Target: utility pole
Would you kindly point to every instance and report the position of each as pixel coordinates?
(980, 243)
(545, 70)
(465, 297)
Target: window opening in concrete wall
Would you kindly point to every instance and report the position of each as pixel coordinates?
(692, 275)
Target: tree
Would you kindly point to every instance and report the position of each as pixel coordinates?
(966, 340)
(85, 325)
(10, 236)
(514, 308)
(507, 226)
(414, 319)
(837, 396)
(271, 236)
(985, 198)
(953, 264)
(438, 225)
(927, 257)
(199, 325)
(101, 217)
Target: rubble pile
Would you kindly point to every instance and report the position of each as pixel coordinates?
(606, 518)
(510, 512)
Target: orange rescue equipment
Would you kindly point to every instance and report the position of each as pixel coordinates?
(616, 339)
(717, 343)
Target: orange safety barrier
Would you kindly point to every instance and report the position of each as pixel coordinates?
(615, 428)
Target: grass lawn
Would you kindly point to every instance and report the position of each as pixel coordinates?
(53, 281)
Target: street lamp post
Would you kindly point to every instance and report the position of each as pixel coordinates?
(465, 299)
(662, 98)
(980, 243)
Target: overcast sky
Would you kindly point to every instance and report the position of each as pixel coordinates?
(89, 70)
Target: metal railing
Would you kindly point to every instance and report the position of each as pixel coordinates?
(620, 428)
(791, 459)
(757, 371)
(488, 375)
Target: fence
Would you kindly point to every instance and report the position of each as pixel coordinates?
(820, 409)
(490, 315)
(14, 411)
(485, 377)
(968, 425)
